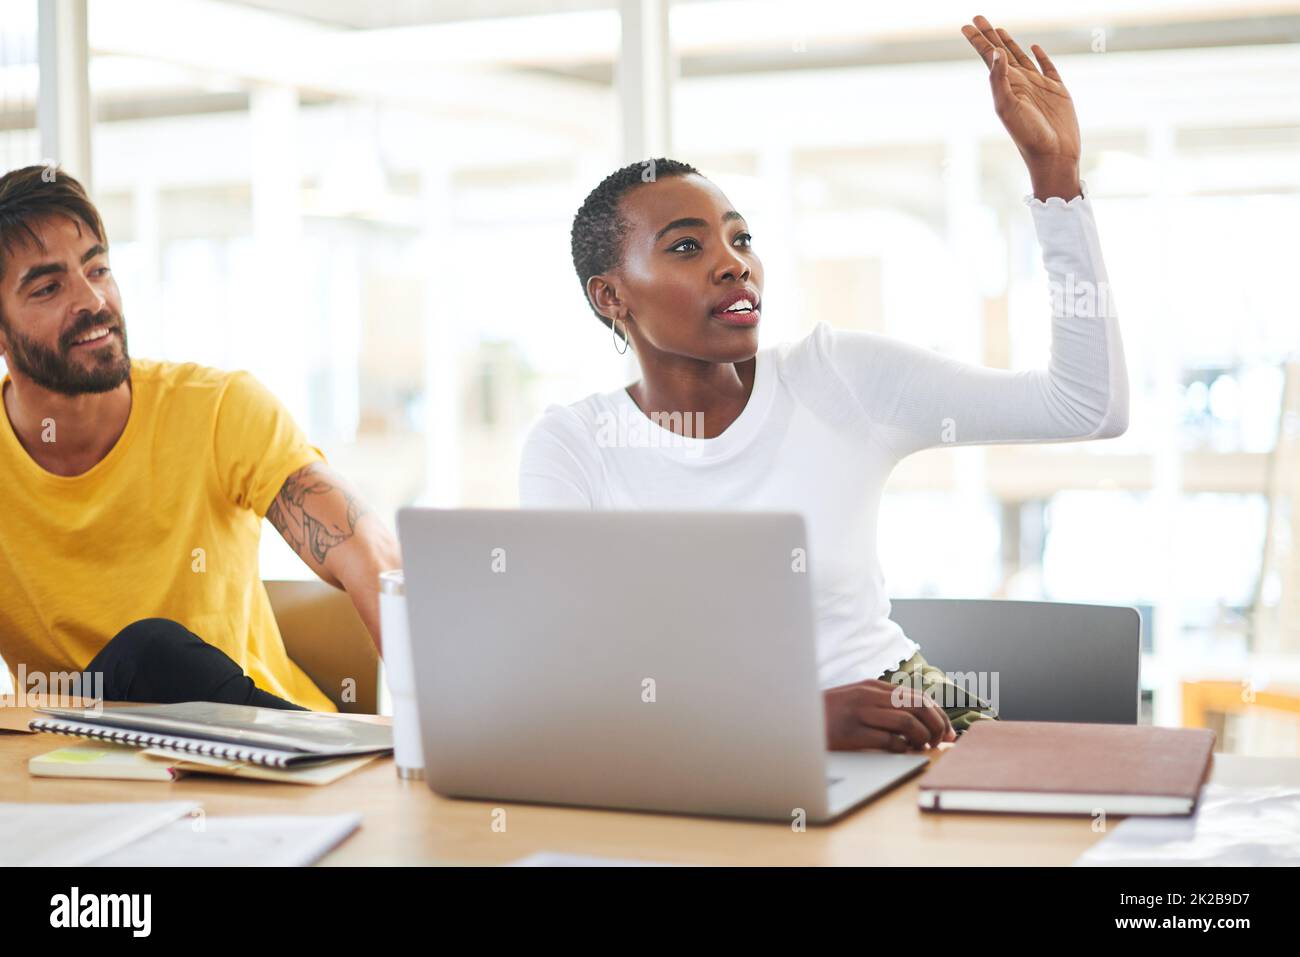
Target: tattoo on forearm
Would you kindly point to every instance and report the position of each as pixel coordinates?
(297, 513)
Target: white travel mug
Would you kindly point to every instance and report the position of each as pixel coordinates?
(408, 753)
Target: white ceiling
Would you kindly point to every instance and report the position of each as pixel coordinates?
(382, 14)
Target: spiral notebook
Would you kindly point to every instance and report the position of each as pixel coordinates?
(265, 736)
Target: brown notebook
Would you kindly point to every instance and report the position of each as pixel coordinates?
(1044, 767)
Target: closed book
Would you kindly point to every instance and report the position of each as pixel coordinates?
(113, 761)
(1043, 767)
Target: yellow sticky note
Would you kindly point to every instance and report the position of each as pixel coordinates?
(74, 755)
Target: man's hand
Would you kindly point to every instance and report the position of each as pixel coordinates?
(877, 714)
(342, 541)
(1035, 108)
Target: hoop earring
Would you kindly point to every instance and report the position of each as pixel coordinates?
(613, 328)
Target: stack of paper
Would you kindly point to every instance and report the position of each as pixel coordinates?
(281, 841)
(162, 834)
(1232, 827)
(71, 834)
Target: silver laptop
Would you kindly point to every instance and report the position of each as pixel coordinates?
(658, 661)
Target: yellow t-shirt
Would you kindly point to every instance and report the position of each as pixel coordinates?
(165, 526)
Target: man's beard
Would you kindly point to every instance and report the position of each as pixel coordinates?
(51, 368)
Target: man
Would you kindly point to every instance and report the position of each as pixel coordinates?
(134, 490)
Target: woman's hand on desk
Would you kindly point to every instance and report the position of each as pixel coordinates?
(888, 717)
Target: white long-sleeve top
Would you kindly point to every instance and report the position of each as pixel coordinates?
(828, 419)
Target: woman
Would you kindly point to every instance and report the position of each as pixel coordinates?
(816, 426)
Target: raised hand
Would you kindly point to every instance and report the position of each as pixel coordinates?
(1034, 106)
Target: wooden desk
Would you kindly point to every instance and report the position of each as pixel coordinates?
(406, 823)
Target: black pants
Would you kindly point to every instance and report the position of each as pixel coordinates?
(159, 661)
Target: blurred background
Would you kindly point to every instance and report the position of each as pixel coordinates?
(367, 204)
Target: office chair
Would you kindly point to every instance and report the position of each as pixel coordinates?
(326, 638)
(1054, 661)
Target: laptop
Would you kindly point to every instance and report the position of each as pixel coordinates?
(651, 661)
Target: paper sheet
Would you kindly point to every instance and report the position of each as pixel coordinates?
(554, 859)
(314, 773)
(262, 841)
(73, 834)
(1232, 826)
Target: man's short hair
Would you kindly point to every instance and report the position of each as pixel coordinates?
(32, 193)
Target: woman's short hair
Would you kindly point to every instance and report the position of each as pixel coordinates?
(599, 228)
